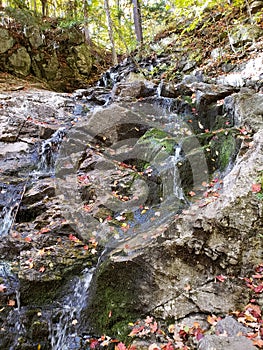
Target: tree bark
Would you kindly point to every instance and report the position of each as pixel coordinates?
(137, 17)
(110, 31)
(44, 8)
(86, 26)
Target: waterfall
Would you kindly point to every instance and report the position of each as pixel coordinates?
(10, 197)
(66, 318)
(48, 153)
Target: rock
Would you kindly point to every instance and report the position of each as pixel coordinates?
(245, 109)
(217, 53)
(20, 62)
(7, 41)
(36, 38)
(50, 67)
(243, 34)
(43, 52)
(255, 6)
(83, 60)
(229, 327)
(174, 90)
(208, 103)
(199, 245)
(214, 342)
(134, 89)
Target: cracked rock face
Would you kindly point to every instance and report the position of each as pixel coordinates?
(172, 275)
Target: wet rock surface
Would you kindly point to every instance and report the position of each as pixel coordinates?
(159, 266)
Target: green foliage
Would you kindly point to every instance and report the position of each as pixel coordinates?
(157, 17)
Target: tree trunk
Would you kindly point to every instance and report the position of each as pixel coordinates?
(44, 8)
(86, 26)
(137, 20)
(110, 31)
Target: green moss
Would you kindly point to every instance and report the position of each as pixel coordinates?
(219, 147)
(159, 137)
(112, 300)
(223, 148)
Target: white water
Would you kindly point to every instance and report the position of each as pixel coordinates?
(6, 221)
(48, 153)
(63, 333)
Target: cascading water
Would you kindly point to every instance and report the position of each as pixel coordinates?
(10, 197)
(65, 320)
(48, 153)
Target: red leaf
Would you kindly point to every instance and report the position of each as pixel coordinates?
(154, 327)
(93, 343)
(221, 278)
(121, 346)
(256, 188)
(136, 330)
(42, 269)
(258, 289)
(148, 320)
(73, 238)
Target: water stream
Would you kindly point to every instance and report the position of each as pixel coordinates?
(10, 197)
(66, 318)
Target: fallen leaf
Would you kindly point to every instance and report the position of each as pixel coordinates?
(120, 346)
(256, 188)
(221, 278)
(154, 347)
(2, 288)
(258, 342)
(11, 302)
(154, 327)
(42, 269)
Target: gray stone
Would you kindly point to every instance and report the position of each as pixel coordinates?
(245, 109)
(35, 37)
(242, 34)
(20, 61)
(134, 89)
(214, 342)
(7, 41)
(230, 327)
(83, 59)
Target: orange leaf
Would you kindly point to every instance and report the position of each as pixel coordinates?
(258, 342)
(11, 302)
(42, 269)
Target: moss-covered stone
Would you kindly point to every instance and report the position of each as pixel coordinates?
(220, 148)
(160, 138)
(112, 303)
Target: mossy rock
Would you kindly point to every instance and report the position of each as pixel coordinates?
(112, 300)
(220, 148)
(159, 138)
